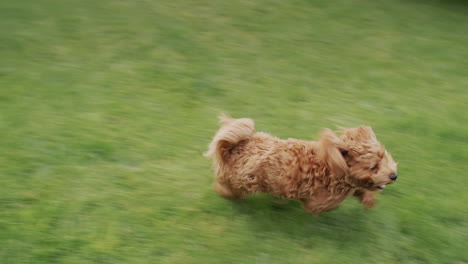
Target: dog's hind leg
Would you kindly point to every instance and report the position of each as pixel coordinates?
(225, 190)
(313, 206)
(317, 205)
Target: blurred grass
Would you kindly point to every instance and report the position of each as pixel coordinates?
(107, 106)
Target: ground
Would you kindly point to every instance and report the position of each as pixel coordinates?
(107, 106)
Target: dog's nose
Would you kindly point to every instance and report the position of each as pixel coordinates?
(394, 176)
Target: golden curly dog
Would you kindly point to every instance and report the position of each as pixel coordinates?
(321, 174)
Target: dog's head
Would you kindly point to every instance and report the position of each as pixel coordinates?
(357, 153)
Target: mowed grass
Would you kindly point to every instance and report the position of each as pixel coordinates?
(107, 106)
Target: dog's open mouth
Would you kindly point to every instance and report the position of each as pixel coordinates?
(381, 187)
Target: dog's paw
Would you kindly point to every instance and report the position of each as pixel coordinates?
(368, 202)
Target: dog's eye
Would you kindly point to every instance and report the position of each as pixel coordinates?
(375, 168)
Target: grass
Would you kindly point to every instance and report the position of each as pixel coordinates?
(106, 107)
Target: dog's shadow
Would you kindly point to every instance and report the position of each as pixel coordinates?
(344, 226)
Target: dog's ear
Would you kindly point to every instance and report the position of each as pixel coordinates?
(331, 150)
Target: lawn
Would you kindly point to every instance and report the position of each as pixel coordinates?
(107, 106)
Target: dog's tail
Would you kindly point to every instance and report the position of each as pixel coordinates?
(232, 131)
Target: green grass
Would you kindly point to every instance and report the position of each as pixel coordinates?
(106, 107)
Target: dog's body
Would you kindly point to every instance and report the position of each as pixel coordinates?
(321, 174)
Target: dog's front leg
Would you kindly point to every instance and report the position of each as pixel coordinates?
(367, 198)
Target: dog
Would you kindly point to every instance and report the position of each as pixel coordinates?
(320, 174)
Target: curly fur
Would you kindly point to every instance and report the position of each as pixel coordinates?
(321, 174)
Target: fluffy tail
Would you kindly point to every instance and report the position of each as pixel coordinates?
(231, 132)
